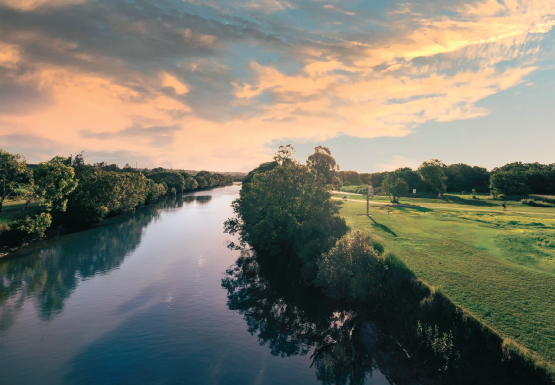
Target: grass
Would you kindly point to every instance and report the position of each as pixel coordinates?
(498, 266)
(12, 207)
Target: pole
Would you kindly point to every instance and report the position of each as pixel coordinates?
(367, 205)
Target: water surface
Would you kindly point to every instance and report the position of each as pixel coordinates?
(145, 298)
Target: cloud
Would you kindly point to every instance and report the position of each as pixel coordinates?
(27, 5)
(207, 83)
(157, 136)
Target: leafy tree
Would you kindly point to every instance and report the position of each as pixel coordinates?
(51, 183)
(411, 177)
(101, 193)
(190, 184)
(462, 177)
(284, 210)
(394, 187)
(284, 154)
(508, 183)
(433, 174)
(323, 163)
(337, 183)
(268, 166)
(31, 227)
(400, 188)
(15, 176)
(376, 179)
(107, 167)
(202, 182)
(349, 176)
(171, 179)
(351, 270)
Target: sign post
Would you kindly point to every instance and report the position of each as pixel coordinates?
(413, 195)
(370, 193)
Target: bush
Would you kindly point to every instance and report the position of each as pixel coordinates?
(27, 229)
(538, 202)
(352, 269)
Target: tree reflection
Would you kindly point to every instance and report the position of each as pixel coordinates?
(49, 274)
(291, 323)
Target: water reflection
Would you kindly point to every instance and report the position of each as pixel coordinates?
(293, 322)
(49, 272)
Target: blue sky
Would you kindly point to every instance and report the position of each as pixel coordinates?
(219, 85)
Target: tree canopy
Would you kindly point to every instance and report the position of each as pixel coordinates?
(285, 210)
(432, 173)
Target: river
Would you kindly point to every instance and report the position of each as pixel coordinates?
(156, 297)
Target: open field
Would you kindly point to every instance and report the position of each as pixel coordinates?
(498, 266)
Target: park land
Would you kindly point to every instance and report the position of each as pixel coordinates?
(499, 266)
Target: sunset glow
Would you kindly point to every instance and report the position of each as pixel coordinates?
(218, 85)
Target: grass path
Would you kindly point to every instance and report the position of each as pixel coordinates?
(499, 266)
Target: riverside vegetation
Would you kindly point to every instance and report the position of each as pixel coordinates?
(65, 194)
(465, 332)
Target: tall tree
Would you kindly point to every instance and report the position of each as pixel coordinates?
(284, 211)
(323, 164)
(51, 183)
(433, 174)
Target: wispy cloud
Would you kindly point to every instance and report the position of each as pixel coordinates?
(218, 76)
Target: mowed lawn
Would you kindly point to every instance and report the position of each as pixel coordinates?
(498, 266)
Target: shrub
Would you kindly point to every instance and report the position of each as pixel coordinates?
(537, 202)
(352, 269)
(439, 345)
(27, 229)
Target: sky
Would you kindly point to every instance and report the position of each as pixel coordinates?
(221, 84)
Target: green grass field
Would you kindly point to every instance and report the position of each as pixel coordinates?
(498, 266)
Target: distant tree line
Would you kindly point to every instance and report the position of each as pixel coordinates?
(435, 177)
(67, 193)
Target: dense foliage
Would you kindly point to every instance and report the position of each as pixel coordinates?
(68, 193)
(284, 209)
(351, 270)
(434, 176)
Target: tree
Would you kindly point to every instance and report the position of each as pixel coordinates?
(190, 184)
(411, 177)
(284, 212)
(400, 188)
(171, 179)
(15, 176)
(508, 183)
(433, 174)
(349, 176)
(337, 183)
(462, 177)
(394, 187)
(323, 164)
(351, 270)
(51, 183)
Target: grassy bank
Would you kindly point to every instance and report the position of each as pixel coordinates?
(498, 266)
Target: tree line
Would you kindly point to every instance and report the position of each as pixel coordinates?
(67, 193)
(285, 215)
(433, 176)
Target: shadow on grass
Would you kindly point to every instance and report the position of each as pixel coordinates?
(419, 209)
(383, 227)
(467, 202)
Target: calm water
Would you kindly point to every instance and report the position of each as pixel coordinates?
(155, 297)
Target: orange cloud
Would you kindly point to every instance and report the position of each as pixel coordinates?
(380, 90)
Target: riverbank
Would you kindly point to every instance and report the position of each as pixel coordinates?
(60, 229)
(496, 267)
